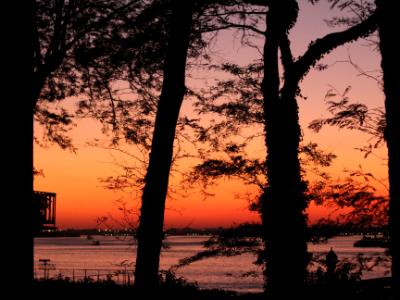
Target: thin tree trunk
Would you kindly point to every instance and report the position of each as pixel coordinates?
(283, 201)
(150, 231)
(389, 48)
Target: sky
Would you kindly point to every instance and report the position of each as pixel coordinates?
(81, 199)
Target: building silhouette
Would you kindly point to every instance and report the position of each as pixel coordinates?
(44, 210)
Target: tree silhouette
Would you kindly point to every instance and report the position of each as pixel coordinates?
(59, 29)
(180, 44)
(283, 200)
(68, 36)
(150, 231)
(387, 21)
(376, 123)
(80, 48)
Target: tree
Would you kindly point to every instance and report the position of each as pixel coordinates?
(387, 21)
(81, 47)
(181, 42)
(59, 28)
(283, 200)
(150, 231)
(379, 123)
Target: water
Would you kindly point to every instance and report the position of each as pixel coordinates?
(68, 253)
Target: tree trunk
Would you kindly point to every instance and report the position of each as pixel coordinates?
(283, 201)
(283, 210)
(150, 231)
(390, 63)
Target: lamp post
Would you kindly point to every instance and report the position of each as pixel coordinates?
(44, 264)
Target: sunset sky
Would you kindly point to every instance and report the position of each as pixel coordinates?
(75, 176)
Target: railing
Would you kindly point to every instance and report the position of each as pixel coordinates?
(120, 276)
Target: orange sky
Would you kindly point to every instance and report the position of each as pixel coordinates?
(74, 177)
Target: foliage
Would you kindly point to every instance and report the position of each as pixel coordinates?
(61, 30)
(168, 279)
(357, 195)
(56, 127)
(247, 238)
(353, 116)
(358, 190)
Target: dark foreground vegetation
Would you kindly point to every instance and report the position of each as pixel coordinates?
(173, 287)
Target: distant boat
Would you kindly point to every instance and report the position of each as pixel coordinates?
(96, 243)
(89, 237)
(381, 242)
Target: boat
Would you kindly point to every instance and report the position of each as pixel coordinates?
(366, 241)
(96, 243)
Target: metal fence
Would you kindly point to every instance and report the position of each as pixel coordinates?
(120, 276)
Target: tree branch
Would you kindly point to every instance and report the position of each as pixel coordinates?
(55, 40)
(242, 26)
(239, 12)
(324, 45)
(286, 53)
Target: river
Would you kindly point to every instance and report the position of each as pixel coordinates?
(72, 256)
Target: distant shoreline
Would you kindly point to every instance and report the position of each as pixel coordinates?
(186, 231)
(109, 232)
